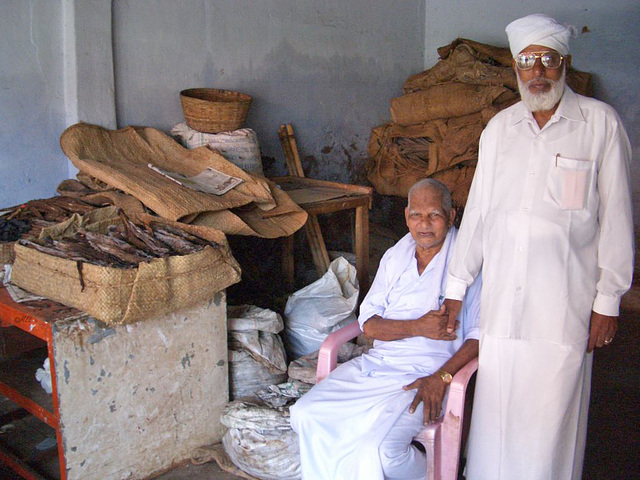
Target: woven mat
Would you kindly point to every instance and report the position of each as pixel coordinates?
(120, 159)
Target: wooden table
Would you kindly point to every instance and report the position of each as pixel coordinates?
(320, 197)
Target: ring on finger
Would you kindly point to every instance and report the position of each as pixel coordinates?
(608, 341)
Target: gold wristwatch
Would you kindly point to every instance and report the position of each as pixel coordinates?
(445, 376)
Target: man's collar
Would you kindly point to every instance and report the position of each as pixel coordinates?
(569, 108)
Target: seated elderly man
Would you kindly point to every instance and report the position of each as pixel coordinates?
(359, 422)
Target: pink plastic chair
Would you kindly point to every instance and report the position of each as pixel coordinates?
(442, 439)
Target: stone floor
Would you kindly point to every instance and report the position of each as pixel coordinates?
(613, 443)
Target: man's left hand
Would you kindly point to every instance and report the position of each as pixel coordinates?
(602, 331)
(430, 392)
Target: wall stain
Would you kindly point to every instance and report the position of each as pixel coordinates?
(186, 360)
(98, 335)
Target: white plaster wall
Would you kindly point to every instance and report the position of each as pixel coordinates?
(610, 50)
(31, 105)
(328, 67)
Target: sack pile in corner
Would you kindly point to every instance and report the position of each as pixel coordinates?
(436, 125)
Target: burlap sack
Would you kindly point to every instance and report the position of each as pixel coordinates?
(449, 142)
(580, 82)
(120, 157)
(486, 53)
(121, 296)
(443, 101)
(388, 180)
(463, 65)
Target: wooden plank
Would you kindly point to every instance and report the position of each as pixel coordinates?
(312, 195)
(290, 148)
(312, 227)
(288, 182)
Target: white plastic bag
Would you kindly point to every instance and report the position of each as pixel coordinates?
(257, 356)
(240, 146)
(260, 441)
(320, 308)
(43, 375)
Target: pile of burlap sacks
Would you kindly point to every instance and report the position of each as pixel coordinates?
(436, 125)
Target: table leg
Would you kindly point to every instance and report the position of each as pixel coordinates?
(361, 236)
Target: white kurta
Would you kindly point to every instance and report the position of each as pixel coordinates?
(355, 424)
(549, 221)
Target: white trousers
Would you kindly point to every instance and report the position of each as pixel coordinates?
(353, 427)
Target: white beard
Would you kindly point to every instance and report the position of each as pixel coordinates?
(544, 101)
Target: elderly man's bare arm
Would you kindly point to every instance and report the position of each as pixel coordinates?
(431, 325)
(431, 389)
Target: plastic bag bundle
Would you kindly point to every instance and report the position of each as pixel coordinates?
(318, 309)
(260, 440)
(257, 356)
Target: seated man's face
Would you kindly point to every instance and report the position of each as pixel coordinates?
(427, 220)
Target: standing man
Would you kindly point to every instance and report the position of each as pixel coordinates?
(549, 220)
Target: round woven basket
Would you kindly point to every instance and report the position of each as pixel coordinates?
(211, 110)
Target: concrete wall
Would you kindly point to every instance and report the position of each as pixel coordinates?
(328, 67)
(137, 399)
(31, 103)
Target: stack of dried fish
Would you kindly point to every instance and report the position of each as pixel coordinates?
(123, 246)
(46, 212)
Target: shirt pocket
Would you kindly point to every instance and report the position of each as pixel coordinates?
(569, 182)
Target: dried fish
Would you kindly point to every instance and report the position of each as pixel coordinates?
(181, 233)
(113, 246)
(142, 240)
(49, 250)
(177, 243)
(76, 250)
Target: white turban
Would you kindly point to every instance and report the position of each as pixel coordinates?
(538, 29)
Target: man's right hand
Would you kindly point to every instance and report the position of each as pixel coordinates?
(452, 309)
(433, 325)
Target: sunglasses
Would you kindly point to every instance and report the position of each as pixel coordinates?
(550, 60)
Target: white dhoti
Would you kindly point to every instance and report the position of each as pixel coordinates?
(355, 427)
(530, 410)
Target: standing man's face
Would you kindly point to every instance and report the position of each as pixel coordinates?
(539, 71)
(541, 87)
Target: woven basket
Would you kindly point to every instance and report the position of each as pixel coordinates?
(211, 110)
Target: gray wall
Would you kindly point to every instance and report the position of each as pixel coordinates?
(328, 67)
(31, 103)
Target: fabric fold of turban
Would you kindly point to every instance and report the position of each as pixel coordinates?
(539, 29)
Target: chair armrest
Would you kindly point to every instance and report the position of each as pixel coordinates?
(328, 354)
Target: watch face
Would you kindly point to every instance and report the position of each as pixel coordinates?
(446, 377)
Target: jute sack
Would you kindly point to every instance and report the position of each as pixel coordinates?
(463, 65)
(396, 179)
(121, 296)
(445, 143)
(580, 82)
(443, 101)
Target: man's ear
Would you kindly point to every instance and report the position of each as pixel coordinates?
(452, 216)
(567, 60)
